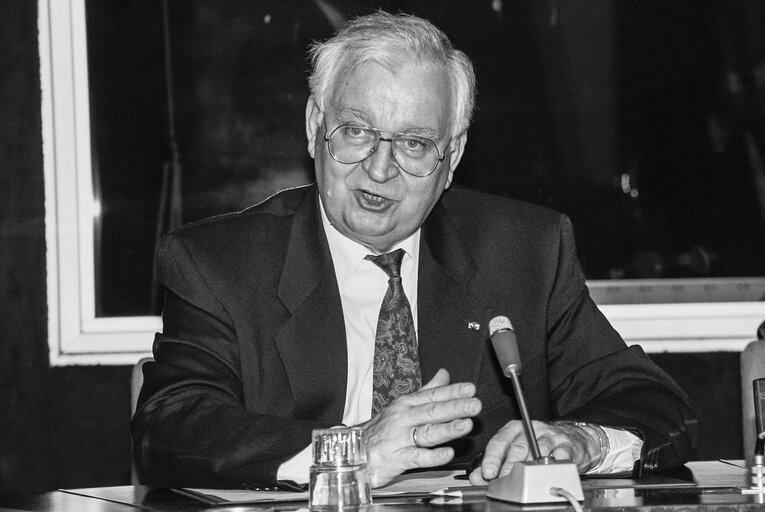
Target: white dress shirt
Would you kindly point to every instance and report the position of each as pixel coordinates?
(362, 286)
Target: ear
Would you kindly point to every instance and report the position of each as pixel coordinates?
(313, 116)
(455, 149)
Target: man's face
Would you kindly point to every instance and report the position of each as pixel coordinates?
(374, 202)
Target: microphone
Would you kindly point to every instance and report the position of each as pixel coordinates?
(543, 479)
(505, 345)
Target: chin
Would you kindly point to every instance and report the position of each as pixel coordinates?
(373, 238)
(371, 227)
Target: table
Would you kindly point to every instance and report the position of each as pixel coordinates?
(716, 490)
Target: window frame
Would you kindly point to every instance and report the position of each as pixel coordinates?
(77, 336)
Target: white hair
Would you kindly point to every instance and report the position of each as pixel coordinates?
(390, 39)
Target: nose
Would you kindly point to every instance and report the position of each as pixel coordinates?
(380, 164)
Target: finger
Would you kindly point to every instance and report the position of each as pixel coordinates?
(440, 393)
(444, 412)
(433, 434)
(432, 458)
(563, 453)
(476, 478)
(546, 445)
(516, 451)
(441, 378)
(519, 450)
(497, 449)
(555, 446)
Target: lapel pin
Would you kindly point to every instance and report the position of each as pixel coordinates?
(475, 326)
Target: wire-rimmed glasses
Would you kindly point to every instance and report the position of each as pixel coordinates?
(351, 144)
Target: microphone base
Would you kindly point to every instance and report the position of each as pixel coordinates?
(531, 481)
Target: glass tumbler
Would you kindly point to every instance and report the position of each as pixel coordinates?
(339, 479)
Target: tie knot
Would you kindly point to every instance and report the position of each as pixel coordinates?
(390, 262)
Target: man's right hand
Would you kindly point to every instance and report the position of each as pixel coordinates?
(437, 413)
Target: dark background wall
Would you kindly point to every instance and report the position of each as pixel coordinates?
(68, 426)
(63, 426)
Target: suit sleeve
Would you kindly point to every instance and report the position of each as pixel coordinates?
(594, 377)
(191, 427)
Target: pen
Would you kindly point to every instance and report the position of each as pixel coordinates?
(472, 466)
(475, 463)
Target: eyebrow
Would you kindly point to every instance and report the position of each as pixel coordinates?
(345, 114)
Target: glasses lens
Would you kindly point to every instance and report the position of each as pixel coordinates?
(350, 144)
(415, 155)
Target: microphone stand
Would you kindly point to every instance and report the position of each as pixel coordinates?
(514, 375)
(542, 479)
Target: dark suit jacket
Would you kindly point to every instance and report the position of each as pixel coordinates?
(252, 356)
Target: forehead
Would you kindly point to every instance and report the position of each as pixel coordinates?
(412, 96)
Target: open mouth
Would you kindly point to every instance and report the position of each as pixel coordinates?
(373, 202)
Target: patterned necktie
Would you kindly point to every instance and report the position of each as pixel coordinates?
(396, 363)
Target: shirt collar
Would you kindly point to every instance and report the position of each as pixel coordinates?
(347, 254)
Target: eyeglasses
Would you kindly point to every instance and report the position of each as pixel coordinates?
(351, 144)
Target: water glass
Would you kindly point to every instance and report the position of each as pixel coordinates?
(339, 479)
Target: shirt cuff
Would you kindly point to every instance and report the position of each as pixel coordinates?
(297, 468)
(624, 450)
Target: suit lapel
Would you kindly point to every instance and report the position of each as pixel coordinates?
(453, 317)
(453, 320)
(312, 342)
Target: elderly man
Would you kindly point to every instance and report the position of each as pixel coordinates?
(365, 300)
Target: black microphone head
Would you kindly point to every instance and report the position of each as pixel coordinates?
(505, 344)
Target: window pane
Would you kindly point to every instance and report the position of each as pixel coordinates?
(643, 121)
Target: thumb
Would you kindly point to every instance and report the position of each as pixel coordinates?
(441, 378)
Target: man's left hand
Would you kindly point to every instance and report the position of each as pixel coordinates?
(580, 443)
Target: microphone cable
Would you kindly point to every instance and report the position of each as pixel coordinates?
(563, 493)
